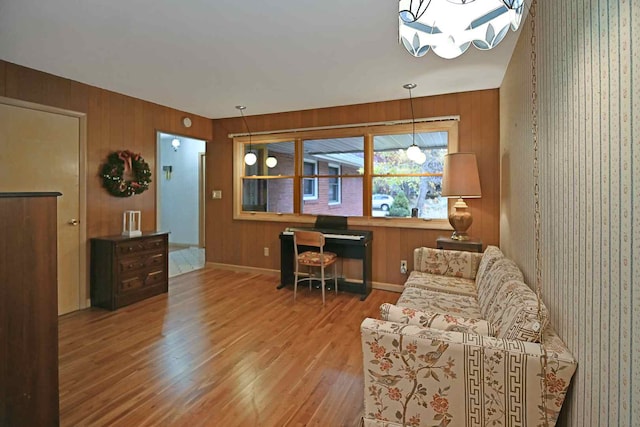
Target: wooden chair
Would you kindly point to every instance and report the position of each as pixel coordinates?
(303, 240)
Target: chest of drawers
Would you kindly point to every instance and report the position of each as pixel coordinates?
(125, 270)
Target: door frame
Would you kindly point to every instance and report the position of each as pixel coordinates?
(83, 274)
(201, 183)
(202, 177)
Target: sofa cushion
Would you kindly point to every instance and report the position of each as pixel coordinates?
(489, 257)
(502, 271)
(516, 316)
(440, 302)
(446, 263)
(445, 322)
(436, 282)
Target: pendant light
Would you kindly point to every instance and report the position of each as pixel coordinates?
(271, 161)
(450, 27)
(250, 158)
(413, 152)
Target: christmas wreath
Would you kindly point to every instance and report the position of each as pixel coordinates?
(113, 174)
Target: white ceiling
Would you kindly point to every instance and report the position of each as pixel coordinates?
(206, 56)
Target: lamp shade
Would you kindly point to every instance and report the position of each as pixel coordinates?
(460, 176)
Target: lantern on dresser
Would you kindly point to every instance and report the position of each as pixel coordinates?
(131, 224)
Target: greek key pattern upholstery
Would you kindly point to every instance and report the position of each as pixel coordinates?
(418, 376)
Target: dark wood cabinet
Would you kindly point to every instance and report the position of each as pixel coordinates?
(125, 270)
(28, 309)
(459, 245)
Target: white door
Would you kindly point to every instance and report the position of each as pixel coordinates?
(40, 151)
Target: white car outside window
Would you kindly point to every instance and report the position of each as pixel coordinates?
(381, 201)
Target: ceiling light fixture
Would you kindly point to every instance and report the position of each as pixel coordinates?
(175, 143)
(449, 27)
(250, 158)
(413, 152)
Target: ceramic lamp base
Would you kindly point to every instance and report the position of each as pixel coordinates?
(460, 219)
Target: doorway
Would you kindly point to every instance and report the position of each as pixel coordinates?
(43, 149)
(180, 209)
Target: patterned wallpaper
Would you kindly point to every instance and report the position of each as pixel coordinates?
(589, 118)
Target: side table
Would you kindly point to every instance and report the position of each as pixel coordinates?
(459, 245)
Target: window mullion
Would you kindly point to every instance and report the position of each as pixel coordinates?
(298, 171)
(367, 182)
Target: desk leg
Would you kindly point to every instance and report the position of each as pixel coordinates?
(286, 263)
(367, 271)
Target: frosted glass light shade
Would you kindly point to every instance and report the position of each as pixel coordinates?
(250, 158)
(421, 158)
(413, 152)
(271, 162)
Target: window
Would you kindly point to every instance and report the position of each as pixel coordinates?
(310, 185)
(338, 160)
(334, 184)
(362, 173)
(401, 185)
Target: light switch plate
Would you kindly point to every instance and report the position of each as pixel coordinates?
(216, 194)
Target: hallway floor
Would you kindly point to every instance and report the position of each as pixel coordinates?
(185, 260)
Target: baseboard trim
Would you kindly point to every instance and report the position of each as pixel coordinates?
(243, 269)
(392, 287)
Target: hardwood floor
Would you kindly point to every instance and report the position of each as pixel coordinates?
(223, 348)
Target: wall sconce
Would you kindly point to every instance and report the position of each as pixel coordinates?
(175, 144)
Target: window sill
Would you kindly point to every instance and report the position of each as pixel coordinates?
(354, 222)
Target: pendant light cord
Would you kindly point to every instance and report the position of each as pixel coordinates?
(413, 119)
(248, 130)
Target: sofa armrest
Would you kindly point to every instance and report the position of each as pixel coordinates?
(444, 322)
(424, 376)
(447, 263)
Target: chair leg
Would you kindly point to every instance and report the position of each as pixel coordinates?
(295, 283)
(322, 281)
(335, 276)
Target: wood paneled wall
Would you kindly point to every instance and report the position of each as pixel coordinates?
(240, 242)
(114, 122)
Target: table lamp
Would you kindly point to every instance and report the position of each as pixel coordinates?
(460, 179)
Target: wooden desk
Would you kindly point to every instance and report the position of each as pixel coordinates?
(459, 245)
(357, 248)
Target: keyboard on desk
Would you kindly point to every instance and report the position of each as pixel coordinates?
(332, 234)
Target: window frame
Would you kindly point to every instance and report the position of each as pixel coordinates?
(367, 132)
(338, 183)
(313, 178)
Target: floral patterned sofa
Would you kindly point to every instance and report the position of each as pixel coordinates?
(462, 347)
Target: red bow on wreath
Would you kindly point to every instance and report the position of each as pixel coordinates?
(112, 173)
(127, 156)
